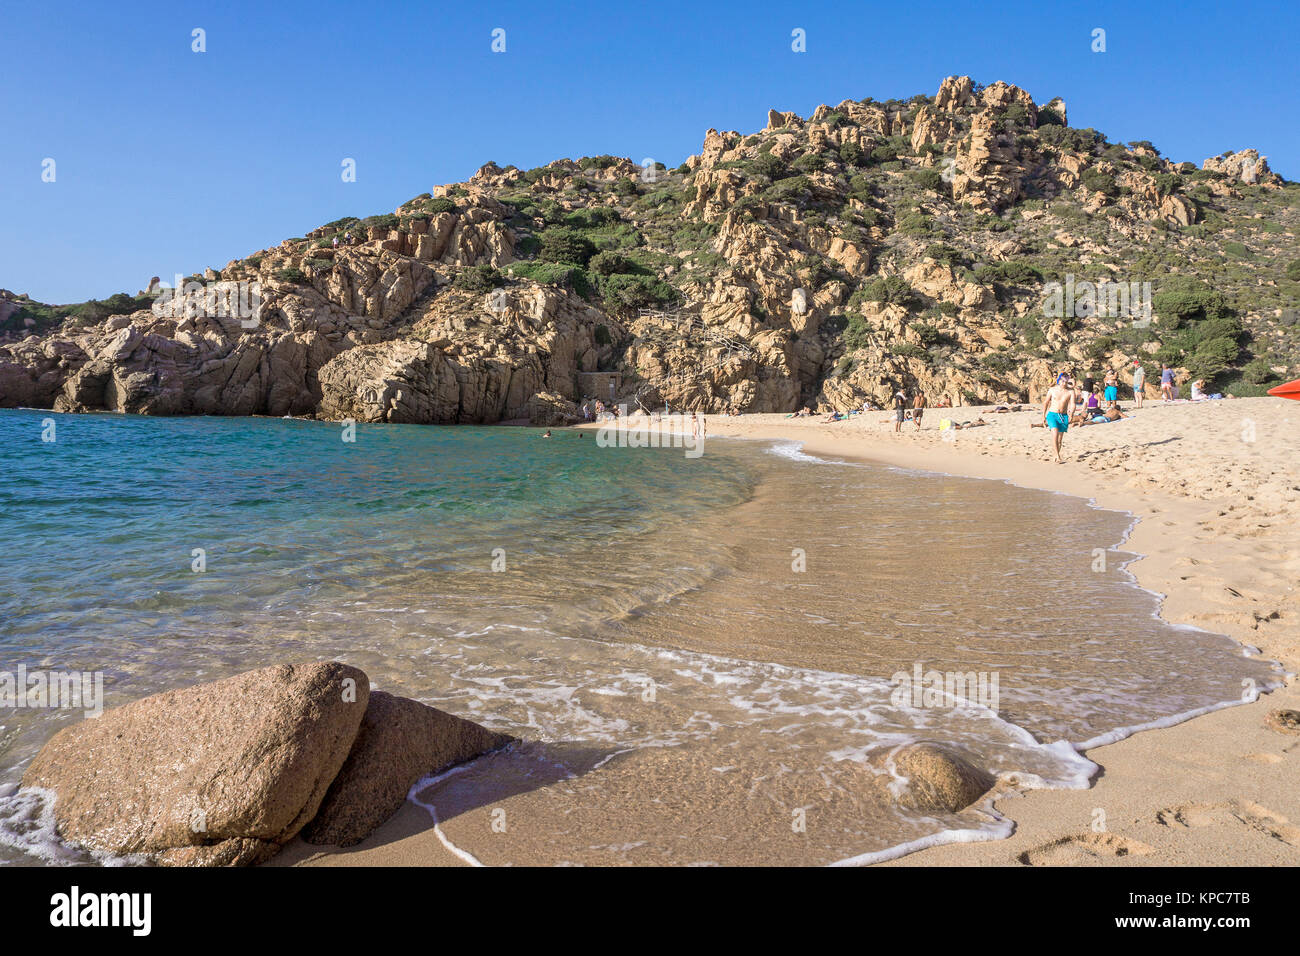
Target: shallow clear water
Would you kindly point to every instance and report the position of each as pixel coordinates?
(643, 602)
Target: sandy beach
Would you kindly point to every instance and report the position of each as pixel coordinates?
(1214, 488)
(1215, 502)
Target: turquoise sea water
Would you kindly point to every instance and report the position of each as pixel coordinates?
(540, 585)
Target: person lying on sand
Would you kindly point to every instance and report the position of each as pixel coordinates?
(833, 417)
(1112, 414)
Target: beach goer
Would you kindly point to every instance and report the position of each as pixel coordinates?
(1090, 401)
(695, 426)
(900, 409)
(1166, 382)
(1198, 390)
(548, 433)
(1112, 388)
(918, 408)
(1139, 382)
(1056, 410)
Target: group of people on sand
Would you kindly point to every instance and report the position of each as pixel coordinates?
(596, 410)
(1069, 403)
(905, 400)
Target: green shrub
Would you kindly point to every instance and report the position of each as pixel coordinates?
(1168, 183)
(438, 206)
(789, 188)
(999, 363)
(1098, 180)
(1182, 299)
(554, 273)
(851, 154)
(1257, 372)
(883, 154)
(857, 331)
(930, 179)
(1015, 273)
(915, 223)
(562, 244)
(1293, 270)
(608, 263)
(768, 165)
(388, 221)
(889, 290)
(479, 278)
(942, 252)
(637, 291)
(593, 218)
(291, 275)
(909, 350)
(930, 336)
(810, 163)
(1049, 117)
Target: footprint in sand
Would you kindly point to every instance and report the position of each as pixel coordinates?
(1233, 813)
(1079, 850)
(1264, 758)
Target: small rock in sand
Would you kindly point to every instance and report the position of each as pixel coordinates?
(938, 780)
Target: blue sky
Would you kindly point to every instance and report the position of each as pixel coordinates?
(169, 160)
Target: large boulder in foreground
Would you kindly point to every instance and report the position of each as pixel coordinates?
(399, 742)
(934, 778)
(223, 773)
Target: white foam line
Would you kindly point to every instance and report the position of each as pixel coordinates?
(941, 838)
(1121, 733)
(463, 855)
(605, 760)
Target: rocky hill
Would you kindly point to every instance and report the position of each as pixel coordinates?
(971, 243)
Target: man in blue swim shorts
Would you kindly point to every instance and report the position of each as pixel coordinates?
(1056, 410)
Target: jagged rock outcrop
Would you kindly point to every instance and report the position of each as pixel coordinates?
(1246, 166)
(954, 93)
(485, 301)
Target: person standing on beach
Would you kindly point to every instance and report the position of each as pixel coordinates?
(1139, 382)
(1112, 389)
(1166, 382)
(900, 409)
(1057, 404)
(918, 408)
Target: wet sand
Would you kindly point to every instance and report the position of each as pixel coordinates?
(1219, 537)
(1217, 491)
